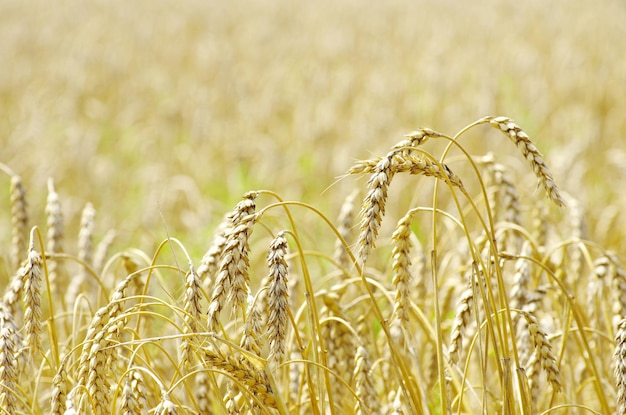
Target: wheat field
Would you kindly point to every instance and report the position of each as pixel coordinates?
(275, 207)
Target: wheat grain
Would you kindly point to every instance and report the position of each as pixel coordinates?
(531, 153)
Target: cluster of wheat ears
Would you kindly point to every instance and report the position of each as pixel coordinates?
(477, 303)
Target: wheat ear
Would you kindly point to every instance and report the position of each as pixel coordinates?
(401, 264)
(461, 320)
(8, 362)
(367, 398)
(55, 234)
(193, 312)
(620, 366)
(133, 394)
(19, 219)
(252, 379)
(531, 153)
(32, 300)
(233, 279)
(85, 254)
(277, 297)
(345, 224)
(542, 346)
(166, 406)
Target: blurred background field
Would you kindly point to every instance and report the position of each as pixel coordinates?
(183, 106)
(163, 114)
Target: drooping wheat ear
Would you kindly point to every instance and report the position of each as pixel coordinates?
(193, 312)
(541, 344)
(19, 219)
(85, 254)
(254, 380)
(417, 138)
(401, 271)
(277, 298)
(56, 233)
(367, 399)
(409, 163)
(373, 208)
(133, 394)
(531, 153)
(233, 279)
(210, 260)
(618, 282)
(166, 406)
(345, 224)
(382, 170)
(461, 321)
(97, 354)
(59, 392)
(620, 366)
(32, 301)
(8, 363)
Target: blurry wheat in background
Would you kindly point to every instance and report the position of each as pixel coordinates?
(129, 131)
